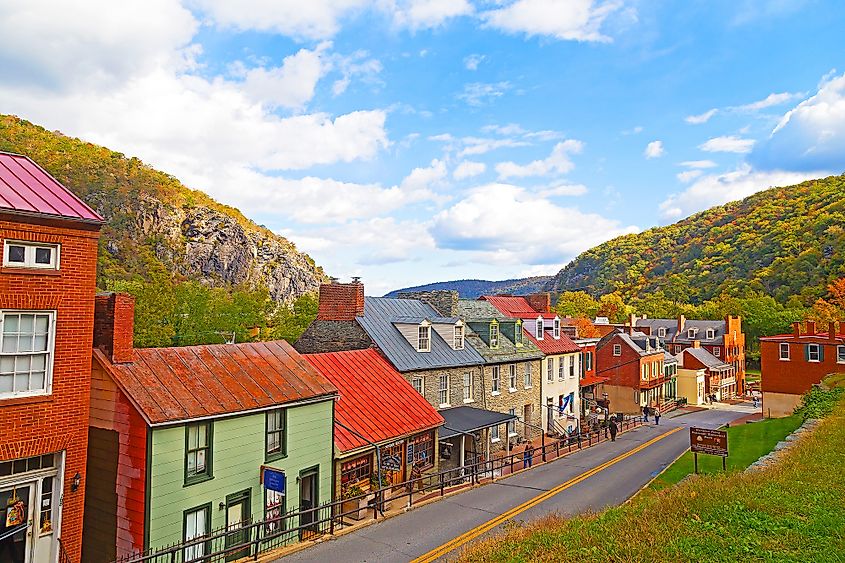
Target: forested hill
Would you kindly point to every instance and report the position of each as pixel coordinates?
(472, 289)
(154, 222)
(784, 241)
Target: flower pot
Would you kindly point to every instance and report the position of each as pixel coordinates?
(354, 508)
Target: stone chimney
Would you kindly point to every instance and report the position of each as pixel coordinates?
(341, 301)
(811, 328)
(540, 302)
(682, 322)
(444, 301)
(114, 323)
(796, 329)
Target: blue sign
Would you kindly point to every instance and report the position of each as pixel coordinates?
(274, 480)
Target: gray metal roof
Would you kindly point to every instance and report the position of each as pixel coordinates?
(705, 357)
(478, 315)
(671, 326)
(474, 310)
(432, 320)
(469, 419)
(379, 315)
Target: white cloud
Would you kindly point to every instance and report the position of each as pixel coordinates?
(490, 223)
(292, 84)
(509, 130)
(480, 145)
(698, 164)
(811, 135)
(471, 62)
(634, 130)
(717, 189)
(771, 100)
(557, 162)
(578, 20)
(701, 118)
(479, 93)
(468, 169)
(654, 149)
(314, 19)
(728, 143)
(689, 175)
(421, 14)
(563, 190)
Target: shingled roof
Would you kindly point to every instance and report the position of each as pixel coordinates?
(169, 385)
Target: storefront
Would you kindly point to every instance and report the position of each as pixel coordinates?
(30, 509)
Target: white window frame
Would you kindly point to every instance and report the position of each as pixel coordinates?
(517, 334)
(572, 369)
(840, 354)
(661, 332)
(539, 328)
(556, 329)
(711, 334)
(810, 349)
(691, 333)
(511, 424)
(29, 255)
(496, 380)
(417, 383)
(560, 368)
(494, 434)
(47, 389)
(494, 335)
(424, 342)
(617, 350)
(512, 377)
(644, 375)
(528, 383)
(717, 351)
(441, 390)
(550, 369)
(469, 392)
(589, 361)
(458, 337)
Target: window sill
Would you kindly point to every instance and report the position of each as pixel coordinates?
(814, 361)
(30, 271)
(197, 480)
(529, 387)
(495, 393)
(274, 456)
(512, 390)
(468, 401)
(512, 434)
(495, 440)
(784, 359)
(25, 400)
(444, 406)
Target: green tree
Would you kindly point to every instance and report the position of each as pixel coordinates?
(577, 304)
(289, 323)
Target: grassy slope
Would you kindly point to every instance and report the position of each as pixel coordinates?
(746, 444)
(794, 511)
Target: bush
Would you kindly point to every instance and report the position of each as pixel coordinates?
(819, 402)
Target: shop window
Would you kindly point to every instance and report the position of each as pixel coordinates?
(355, 471)
(421, 449)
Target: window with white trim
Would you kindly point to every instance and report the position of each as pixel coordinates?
(560, 362)
(512, 423)
(458, 337)
(494, 434)
(18, 254)
(468, 392)
(550, 369)
(443, 390)
(588, 359)
(528, 382)
(840, 354)
(711, 334)
(556, 328)
(661, 332)
(494, 335)
(572, 366)
(496, 378)
(512, 377)
(26, 352)
(538, 329)
(645, 371)
(691, 333)
(417, 382)
(617, 349)
(814, 353)
(784, 350)
(424, 338)
(717, 351)
(517, 333)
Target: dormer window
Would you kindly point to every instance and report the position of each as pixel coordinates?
(661, 332)
(556, 328)
(494, 334)
(458, 339)
(691, 333)
(517, 334)
(538, 333)
(711, 334)
(424, 338)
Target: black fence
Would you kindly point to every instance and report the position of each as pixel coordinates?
(251, 539)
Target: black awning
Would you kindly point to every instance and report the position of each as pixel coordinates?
(469, 420)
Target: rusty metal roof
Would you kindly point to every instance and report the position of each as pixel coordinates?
(375, 400)
(175, 384)
(27, 189)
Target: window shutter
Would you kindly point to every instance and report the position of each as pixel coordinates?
(807, 352)
(821, 352)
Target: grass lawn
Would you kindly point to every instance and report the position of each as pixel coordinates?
(746, 444)
(793, 510)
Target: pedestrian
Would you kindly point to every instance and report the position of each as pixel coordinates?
(657, 417)
(529, 455)
(613, 429)
(645, 414)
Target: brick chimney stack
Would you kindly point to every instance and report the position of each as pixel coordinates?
(841, 328)
(682, 322)
(796, 329)
(341, 301)
(811, 328)
(831, 331)
(114, 323)
(540, 302)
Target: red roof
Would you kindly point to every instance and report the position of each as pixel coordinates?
(375, 400)
(592, 380)
(549, 345)
(174, 384)
(27, 188)
(515, 307)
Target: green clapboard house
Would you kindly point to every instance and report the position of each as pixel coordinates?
(181, 440)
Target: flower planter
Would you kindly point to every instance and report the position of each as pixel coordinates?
(355, 508)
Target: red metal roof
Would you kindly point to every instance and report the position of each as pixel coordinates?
(174, 384)
(27, 188)
(515, 307)
(549, 345)
(592, 380)
(375, 400)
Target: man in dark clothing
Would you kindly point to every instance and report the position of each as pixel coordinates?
(645, 414)
(613, 429)
(528, 457)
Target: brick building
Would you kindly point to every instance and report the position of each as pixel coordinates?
(792, 363)
(633, 362)
(47, 284)
(720, 377)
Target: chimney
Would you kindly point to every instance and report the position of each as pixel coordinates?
(831, 331)
(841, 328)
(340, 301)
(444, 301)
(114, 322)
(796, 329)
(811, 328)
(632, 320)
(696, 343)
(540, 302)
(682, 322)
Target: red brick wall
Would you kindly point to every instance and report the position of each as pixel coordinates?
(622, 370)
(540, 302)
(797, 375)
(114, 320)
(340, 301)
(40, 425)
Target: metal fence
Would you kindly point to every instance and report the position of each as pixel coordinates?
(251, 539)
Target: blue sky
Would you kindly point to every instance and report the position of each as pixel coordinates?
(410, 141)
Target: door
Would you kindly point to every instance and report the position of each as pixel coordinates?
(16, 523)
(308, 499)
(238, 516)
(527, 413)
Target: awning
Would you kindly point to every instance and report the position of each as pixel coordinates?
(469, 420)
(593, 380)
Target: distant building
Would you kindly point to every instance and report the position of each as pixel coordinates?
(633, 362)
(720, 380)
(792, 363)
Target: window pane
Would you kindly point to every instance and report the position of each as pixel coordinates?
(200, 461)
(10, 344)
(6, 382)
(42, 324)
(17, 253)
(202, 438)
(192, 463)
(21, 382)
(192, 437)
(43, 255)
(26, 324)
(10, 323)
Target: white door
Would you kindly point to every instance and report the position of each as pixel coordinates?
(17, 522)
(45, 548)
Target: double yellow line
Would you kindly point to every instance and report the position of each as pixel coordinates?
(490, 524)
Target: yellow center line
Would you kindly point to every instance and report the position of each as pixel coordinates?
(490, 524)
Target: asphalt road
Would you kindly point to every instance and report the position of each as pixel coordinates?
(424, 529)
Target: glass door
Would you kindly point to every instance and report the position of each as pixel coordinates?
(238, 516)
(16, 522)
(308, 500)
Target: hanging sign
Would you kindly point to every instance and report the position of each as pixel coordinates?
(391, 463)
(274, 480)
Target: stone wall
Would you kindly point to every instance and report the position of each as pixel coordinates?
(332, 336)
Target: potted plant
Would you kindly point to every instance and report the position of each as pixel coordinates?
(354, 501)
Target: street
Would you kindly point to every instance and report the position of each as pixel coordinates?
(591, 479)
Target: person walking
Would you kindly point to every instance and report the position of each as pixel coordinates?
(656, 417)
(529, 455)
(613, 429)
(645, 414)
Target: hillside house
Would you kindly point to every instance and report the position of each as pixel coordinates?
(181, 438)
(720, 380)
(792, 363)
(633, 363)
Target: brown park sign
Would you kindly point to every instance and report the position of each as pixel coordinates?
(706, 441)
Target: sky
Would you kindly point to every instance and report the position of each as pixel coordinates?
(412, 141)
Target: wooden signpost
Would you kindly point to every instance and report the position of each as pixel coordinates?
(706, 441)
